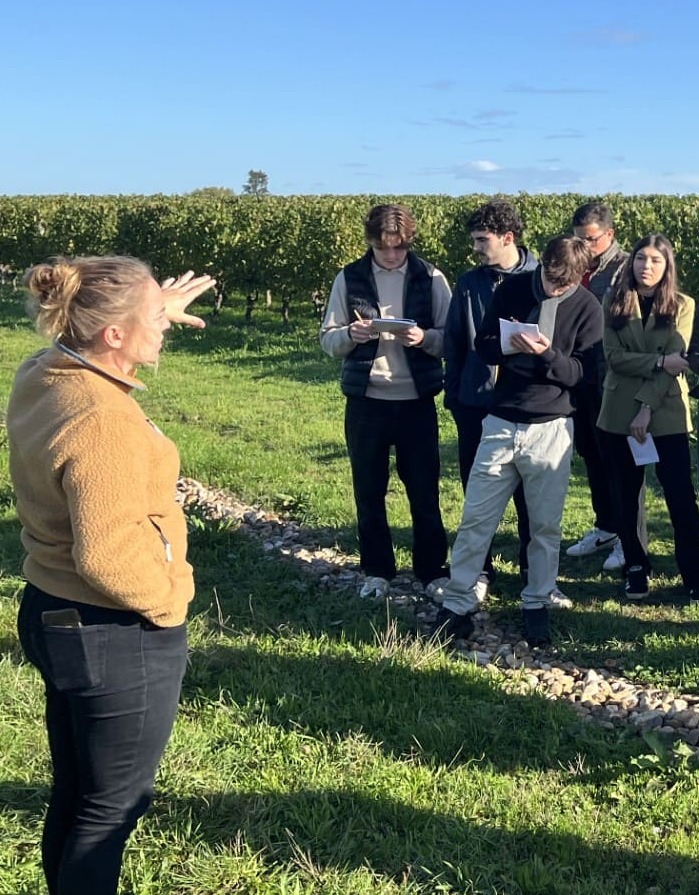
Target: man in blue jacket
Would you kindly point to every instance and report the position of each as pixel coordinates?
(496, 230)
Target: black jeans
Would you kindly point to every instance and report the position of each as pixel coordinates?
(589, 443)
(469, 425)
(371, 428)
(112, 688)
(674, 473)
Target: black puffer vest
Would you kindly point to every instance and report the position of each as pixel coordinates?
(362, 297)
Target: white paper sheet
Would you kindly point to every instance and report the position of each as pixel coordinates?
(643, 453)
(509, 328)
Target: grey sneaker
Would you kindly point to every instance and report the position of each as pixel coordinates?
(558, 600)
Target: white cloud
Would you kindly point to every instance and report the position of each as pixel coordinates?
(498, 178)
(483, 165)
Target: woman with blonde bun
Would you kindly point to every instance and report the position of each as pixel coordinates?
(103, 612)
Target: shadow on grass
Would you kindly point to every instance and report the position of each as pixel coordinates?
(432, 849)
(11, 550)
(23, 797)
(261, 592)
(338, 830)
(10, 649)
(647, 648)
(445, 716)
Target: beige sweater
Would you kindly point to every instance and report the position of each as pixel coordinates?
(390, 377)
(95, 486)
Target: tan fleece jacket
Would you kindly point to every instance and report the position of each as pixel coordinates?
(95, 487)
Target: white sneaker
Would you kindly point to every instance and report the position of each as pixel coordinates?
(590, 543)
(558, 600)
(615, 560)
(435, 589)
(481, 587)
(374, 586)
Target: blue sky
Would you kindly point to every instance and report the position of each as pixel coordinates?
(447, 96)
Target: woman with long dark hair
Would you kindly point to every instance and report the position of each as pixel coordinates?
(648, 325)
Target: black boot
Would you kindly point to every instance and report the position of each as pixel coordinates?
(450, 626)
(536, 626)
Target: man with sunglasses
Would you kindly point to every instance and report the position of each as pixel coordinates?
(391, 372)
(593, 222)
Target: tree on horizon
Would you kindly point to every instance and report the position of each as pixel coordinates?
(257, 184)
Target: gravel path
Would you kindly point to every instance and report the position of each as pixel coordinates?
(599, 695)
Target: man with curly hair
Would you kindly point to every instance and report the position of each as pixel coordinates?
(496, 231)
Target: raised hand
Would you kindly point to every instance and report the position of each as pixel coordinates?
(180, 292)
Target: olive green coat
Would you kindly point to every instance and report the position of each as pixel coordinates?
(632, 377)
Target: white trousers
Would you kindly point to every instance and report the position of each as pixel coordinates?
(538, 455)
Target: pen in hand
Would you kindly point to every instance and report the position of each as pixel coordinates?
(364, 333)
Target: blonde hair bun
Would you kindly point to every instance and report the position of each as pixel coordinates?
(74, 298)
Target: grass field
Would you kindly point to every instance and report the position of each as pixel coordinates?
(315, 751)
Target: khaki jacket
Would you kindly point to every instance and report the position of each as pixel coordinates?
(632, 378)
(95, 485)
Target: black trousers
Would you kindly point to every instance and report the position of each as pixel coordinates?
(674, 472)
(589, 443)
(372, 427)
(469, 425)
(112, 689)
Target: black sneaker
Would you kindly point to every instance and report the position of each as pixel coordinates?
(636, 587)
(450, 626)
(536, 626)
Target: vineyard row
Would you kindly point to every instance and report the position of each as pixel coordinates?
(295, 245)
